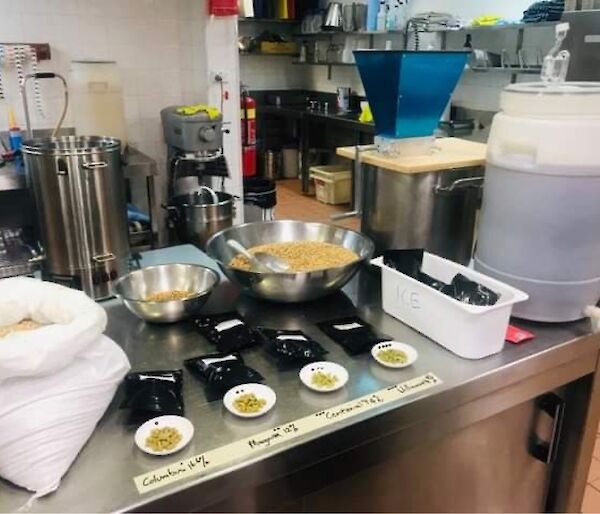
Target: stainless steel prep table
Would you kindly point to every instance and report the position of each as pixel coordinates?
(331, 121)
(461, 445)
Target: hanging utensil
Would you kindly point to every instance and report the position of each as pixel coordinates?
(37, 90)
(2, 64)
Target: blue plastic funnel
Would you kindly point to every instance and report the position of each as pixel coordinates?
(408, 91)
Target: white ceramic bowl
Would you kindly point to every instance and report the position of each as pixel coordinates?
(183, 425)
(309, 370)
(260, 391)
(410, 352)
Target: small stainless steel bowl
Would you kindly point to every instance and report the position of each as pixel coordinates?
(289, 287)
(139, 284)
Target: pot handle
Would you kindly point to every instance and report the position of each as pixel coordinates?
(460, 184)
(94, 165)
(172, 211)
(36, 259)
(105, 257)
(546, 451)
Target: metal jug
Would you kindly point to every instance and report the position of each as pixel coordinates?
(333, 17)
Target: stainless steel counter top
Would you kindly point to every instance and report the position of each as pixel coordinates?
(11, 179)
(342, 120)
(101, 479)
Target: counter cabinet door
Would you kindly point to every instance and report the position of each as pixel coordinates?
(485, 467)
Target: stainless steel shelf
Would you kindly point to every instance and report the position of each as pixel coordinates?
(325, 63)
(521, 70)
(353, 33)
(506, 26)
(268, 20)
(263, 54)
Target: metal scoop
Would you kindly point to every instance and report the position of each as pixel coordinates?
(261, 261)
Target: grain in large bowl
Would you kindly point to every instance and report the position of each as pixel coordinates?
(135, 287)
(289, 287)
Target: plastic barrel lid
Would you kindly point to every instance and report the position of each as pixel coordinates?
(551, 100)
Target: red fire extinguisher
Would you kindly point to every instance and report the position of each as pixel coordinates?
(248, 115)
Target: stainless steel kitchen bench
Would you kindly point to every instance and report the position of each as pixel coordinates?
(467, 444)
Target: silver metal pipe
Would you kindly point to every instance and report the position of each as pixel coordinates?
(358, 184)
(23, 88)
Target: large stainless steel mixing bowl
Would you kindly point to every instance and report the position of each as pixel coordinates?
(289, 287)
(139, 284)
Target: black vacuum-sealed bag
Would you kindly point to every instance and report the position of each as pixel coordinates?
(468, 291)
(227, 331)
(153, 393)
(291, 346)
(354, 334)
(461, 288)
(222, 371)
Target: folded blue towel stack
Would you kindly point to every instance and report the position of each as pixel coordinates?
(550, 10)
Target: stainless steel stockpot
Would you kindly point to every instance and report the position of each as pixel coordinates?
(79, 192)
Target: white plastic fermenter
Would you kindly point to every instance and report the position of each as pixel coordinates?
(540, 224)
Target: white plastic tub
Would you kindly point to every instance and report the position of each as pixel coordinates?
(469, 331)
(333, 183)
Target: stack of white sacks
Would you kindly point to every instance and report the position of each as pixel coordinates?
(55, 381)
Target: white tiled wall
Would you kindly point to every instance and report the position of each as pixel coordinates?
(162, 48)
(154, 42)
(277, 72)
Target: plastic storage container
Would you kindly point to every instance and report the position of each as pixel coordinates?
(97, 99)
(333, 183)
(290, 168)
(469, 331)
(541, 200)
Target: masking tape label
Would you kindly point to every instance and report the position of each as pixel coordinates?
(210, 460)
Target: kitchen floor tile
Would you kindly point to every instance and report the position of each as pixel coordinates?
(597, 448)
(591, 500)
(594, 472)
(292, 204)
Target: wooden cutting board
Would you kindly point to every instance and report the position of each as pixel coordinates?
(447, 153)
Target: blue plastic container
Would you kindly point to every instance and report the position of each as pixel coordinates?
(408, 91)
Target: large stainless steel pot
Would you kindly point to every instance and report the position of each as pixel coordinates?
(79, 193)
(197, 217)
(289, 287)
(433, 210)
